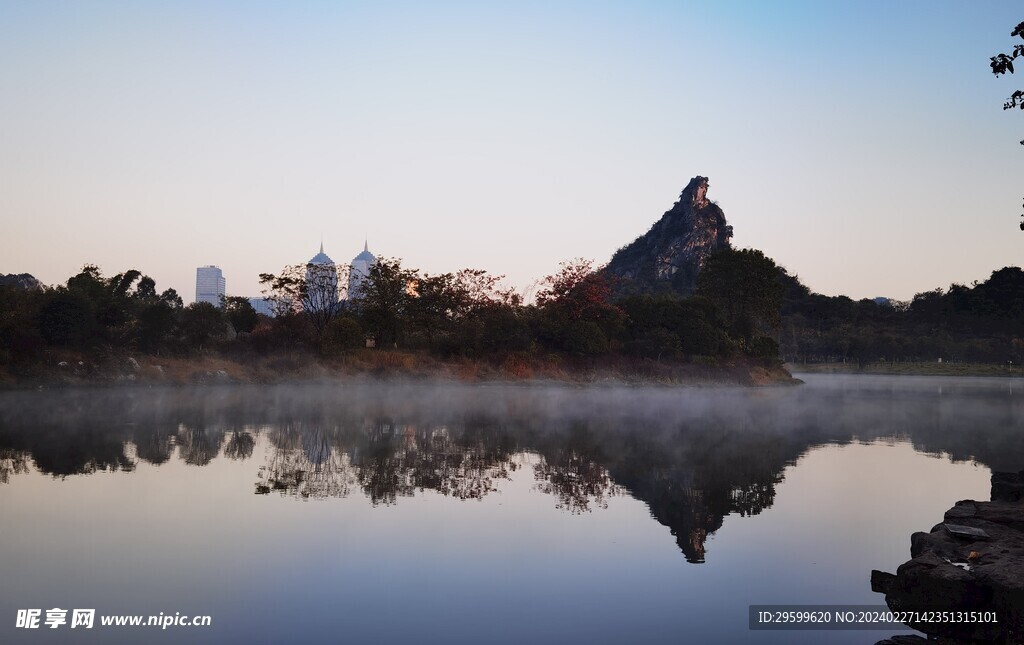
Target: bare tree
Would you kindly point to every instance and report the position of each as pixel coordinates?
(310, 289)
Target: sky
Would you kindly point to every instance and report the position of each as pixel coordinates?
(861, 145)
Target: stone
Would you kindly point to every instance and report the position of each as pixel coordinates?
(965, 532)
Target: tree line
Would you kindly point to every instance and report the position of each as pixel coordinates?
(115, 313)
(980, 323)
(467, 313)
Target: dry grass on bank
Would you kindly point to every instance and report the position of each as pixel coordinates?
(946, 368)
(67, 368)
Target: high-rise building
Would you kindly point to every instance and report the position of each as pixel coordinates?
(321, 282)
(210, 285)
(262, 306)
(359, 271)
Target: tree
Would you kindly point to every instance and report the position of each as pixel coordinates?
(240, 313)
(383, 302)
(1003, 63)
(576, 314)
(156, 322)
(155, 315)
(20, 339)
(311, 289)
(67, 318)
(577, 286)
(452, 305)
(201, 324)
(341, 335)
(660, 326)
(746, 289)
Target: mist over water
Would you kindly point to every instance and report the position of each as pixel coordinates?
(393, 512)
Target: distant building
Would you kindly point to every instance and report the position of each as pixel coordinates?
(209, 285)
(262, 306)
(359, 271)
(321, 282)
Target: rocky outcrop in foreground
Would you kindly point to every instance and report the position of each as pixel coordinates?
(972, 561)
(671, 254)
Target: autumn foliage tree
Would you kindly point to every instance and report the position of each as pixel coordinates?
(451, 311)
(576, 313)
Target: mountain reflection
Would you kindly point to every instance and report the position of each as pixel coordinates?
(693, 456)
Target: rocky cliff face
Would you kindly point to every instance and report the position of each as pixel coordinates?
(671, 254)
(20, 281)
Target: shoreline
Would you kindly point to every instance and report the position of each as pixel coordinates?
(909, 369)
(77, 370)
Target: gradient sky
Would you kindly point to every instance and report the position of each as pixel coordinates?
(861, 145)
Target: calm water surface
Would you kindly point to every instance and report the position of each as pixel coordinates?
(370, 513)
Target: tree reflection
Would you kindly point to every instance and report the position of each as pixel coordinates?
(78, 450)
(692, 458)
(12, 462)
(154, 443)
(239, 445)
(386, 459)
(305, 463)
(573, 470)
(199, 445)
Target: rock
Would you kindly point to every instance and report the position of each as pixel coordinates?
(910, 639)
(902, 640)
(965, 532)
(933, 581)
(1008, 487)
(975, 563)
(882, 582)
(133, 364)
(21, 281)
(963, 509)
(211, 376)
(670, 255)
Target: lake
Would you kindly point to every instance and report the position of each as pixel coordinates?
(422, 513)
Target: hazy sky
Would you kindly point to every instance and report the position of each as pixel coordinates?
(862, 146)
